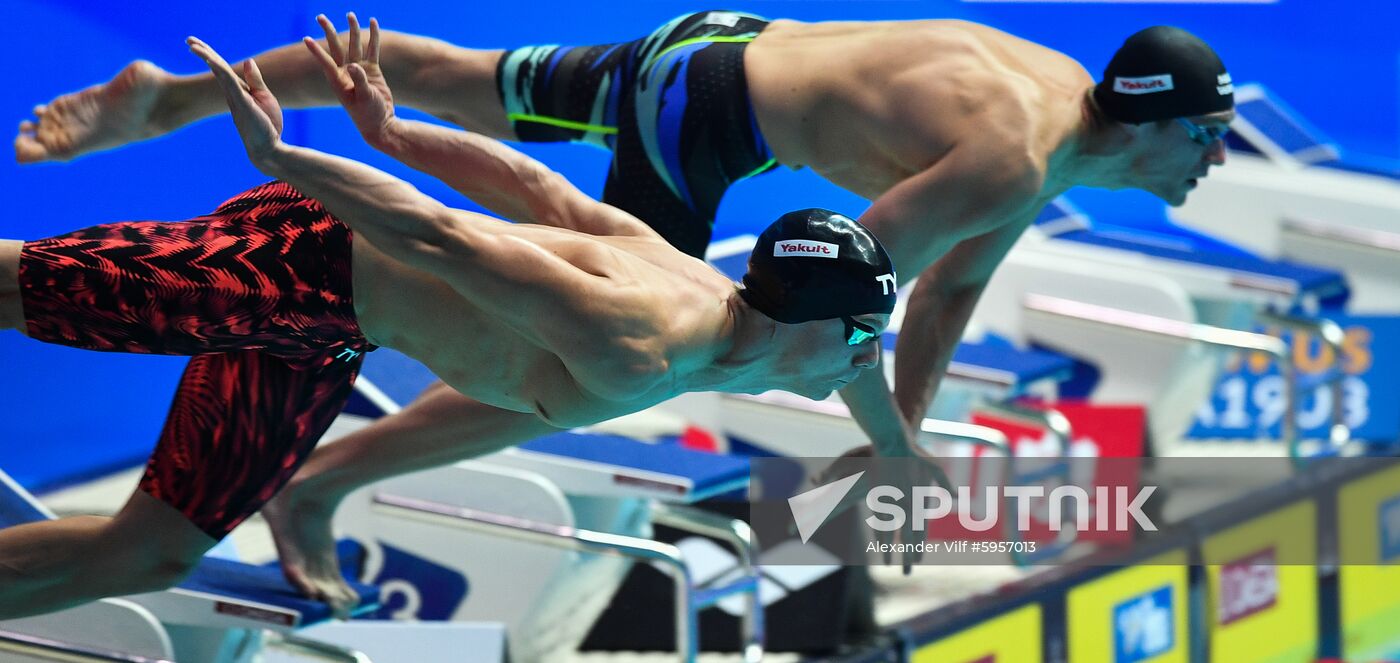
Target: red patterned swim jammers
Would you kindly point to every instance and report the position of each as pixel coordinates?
(259, 292)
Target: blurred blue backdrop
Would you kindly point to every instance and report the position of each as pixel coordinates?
(1338, 63)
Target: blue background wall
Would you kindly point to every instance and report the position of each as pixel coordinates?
(1335, 62)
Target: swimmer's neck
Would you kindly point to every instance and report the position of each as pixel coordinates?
(1093, 152)
(743, 364)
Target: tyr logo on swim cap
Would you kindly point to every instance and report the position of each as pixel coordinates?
(815, 264)
(1163, 73)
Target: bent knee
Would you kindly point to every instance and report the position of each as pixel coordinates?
(137, 571)
(168, 570)
(137, 555)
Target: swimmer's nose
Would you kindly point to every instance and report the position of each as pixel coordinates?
(867, 358)
(1216, 154)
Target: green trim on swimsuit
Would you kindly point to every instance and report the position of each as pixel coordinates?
(565, 124)
(696, 40)
(768, 164)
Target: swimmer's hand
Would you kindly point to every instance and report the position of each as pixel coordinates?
(905, 469)
(354, 74)
(256, 112)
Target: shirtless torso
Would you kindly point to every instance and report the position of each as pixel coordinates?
(556, 371)
(869, 105)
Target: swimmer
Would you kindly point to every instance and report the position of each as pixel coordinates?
(280, 292)
(958, 133)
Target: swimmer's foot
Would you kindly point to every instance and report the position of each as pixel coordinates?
(301, 527)
(100, 117)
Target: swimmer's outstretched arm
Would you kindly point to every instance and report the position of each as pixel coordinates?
(144, 101)
(541, 296)
(483, 169)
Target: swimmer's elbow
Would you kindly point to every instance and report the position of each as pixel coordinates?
(445, 233)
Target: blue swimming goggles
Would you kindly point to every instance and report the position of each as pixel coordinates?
(1204, 136)
(857, 332)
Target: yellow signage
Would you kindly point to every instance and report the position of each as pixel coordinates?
(1014, 637)
(1259, 610)
(1368, 517)
(1136, 615)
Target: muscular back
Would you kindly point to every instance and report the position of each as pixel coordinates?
(867, 105)
(556, 369)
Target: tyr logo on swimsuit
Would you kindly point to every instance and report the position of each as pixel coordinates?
(347, 354)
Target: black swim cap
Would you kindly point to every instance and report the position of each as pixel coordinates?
(1163, 73)
(815, 264)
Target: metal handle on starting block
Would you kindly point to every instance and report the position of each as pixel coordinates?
(567, 538)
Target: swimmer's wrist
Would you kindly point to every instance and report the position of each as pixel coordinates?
(274, 160)
(387, 138)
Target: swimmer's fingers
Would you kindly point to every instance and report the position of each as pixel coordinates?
(352, 53)
(332, 39)
(231, 83)
(328, 65)
(262, 96)
(253, 76)
(361, 78)
(372, 53)
(255, 111)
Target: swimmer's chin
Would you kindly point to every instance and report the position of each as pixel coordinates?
(1176, 200)
(823, 393)
(805, 392)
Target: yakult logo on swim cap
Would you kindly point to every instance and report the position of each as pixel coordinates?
(805, 247)
(1143, 84)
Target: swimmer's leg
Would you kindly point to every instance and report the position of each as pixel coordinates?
(269, 270)
(240, 426)
(439, 427)
(566, 93)
(55, 564)
(453, 83)
(688, 132)
(11, 310)
(144, 101)
(450, 82)
(580, 93)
